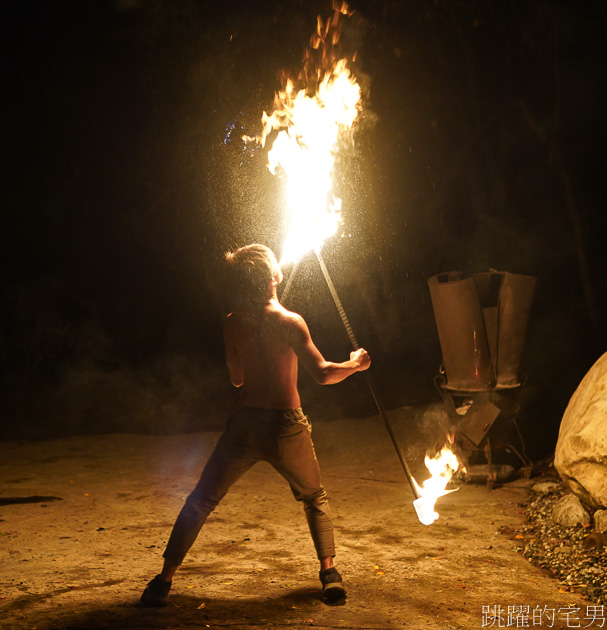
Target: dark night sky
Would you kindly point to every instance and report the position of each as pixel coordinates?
(125, 179)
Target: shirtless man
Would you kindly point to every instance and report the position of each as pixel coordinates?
(263, 344)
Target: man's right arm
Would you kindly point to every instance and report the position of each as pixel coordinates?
(232, 359)
(323, 371)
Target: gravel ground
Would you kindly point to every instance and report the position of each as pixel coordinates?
(573, 555)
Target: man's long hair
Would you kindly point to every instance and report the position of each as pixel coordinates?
(253, 266)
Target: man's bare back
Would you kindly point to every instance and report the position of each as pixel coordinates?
(263, 345)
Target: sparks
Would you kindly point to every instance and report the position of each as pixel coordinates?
(310, 122)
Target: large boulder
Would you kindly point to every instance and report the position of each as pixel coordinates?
(581, 449)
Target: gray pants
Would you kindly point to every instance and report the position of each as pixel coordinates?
(281, 438)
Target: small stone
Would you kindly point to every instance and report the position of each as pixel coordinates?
(569, 512)
(543, 487)
(595, 540)
(600, 521)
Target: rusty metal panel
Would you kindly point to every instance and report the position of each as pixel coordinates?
(481, 324)
(488, 286)
(461, 330)
(516, 297)
(491, 319)
(476, 423)
(506, 302)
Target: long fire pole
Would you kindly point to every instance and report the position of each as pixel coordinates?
(370, 383)
(285, 291)
(356, 346)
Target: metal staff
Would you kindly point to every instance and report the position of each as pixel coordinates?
(285, 292)
(354, 342)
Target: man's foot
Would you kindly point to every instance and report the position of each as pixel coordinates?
(156, 592)
(332, 586)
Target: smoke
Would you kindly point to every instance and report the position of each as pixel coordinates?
(63, 375)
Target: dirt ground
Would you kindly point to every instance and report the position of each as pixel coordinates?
(83, 523)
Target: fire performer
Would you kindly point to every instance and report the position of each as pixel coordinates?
(263, 342)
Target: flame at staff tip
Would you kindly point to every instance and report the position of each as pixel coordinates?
(441, 470)
(309, 129)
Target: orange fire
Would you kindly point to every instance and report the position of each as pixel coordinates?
(442, 468)
(312, 115)
(311, 121)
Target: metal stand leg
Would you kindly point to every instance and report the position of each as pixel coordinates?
(491, 473)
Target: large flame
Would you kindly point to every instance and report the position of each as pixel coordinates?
(310, 123)
(442, 467)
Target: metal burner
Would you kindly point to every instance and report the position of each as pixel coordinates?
(481, 322)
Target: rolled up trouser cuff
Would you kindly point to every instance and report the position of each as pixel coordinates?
(320, 523)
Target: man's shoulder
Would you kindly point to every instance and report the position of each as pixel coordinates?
(283, 314)
(286, 321)
(273, 311)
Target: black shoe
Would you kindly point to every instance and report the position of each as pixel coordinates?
(332, 587)
(155, 593)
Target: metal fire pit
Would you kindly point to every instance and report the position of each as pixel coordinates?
(480, 473)
(481, 322)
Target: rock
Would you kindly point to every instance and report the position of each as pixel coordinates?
(595, 540)
(600, 520)
(544, 487)
(569, 512)
(581, 450)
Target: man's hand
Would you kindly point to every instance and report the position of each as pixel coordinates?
(361, 356)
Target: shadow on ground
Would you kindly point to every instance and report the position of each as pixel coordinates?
(185, 611)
